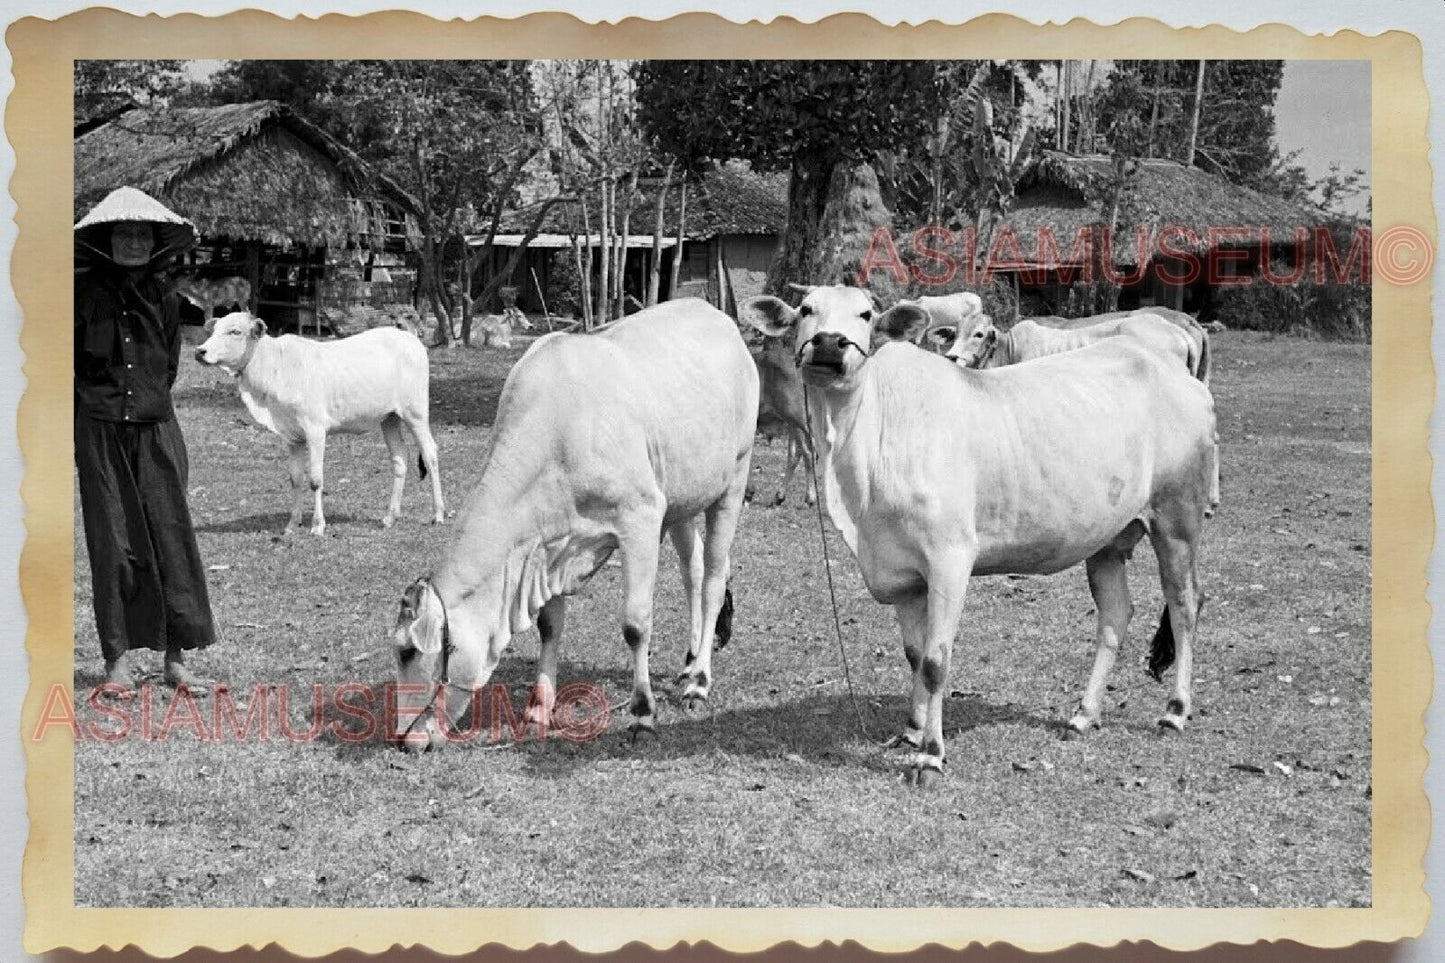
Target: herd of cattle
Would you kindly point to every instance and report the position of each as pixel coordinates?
(1089, 436)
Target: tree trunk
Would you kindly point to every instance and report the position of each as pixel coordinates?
(603, 303)
(1154, 111)
(429, 285)
(833, 210)
(1086, 109)
(1194, 121)
(623, 237)
(654, 280)
(681, 232)
(584, 277)
(515, 258)
(1058, 104)
(1068, 102)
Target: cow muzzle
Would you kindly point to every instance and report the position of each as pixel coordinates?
(826, 351)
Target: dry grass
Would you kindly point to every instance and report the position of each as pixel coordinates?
(775, 798)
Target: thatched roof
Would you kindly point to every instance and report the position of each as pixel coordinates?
(252, 171)
(1062, 194)
(728, 199)
(91, 112)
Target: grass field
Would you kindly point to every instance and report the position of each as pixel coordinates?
(774, 796)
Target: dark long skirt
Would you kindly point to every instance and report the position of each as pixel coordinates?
(146, 570)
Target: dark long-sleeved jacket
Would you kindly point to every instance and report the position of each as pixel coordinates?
(127, 347)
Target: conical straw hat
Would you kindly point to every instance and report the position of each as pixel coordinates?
(174, 234)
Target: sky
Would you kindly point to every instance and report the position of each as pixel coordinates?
(1323, 110)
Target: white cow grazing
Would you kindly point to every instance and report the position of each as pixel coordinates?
(603, 442)
(934, 473)
(304, 390)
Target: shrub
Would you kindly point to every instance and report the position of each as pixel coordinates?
(1325, 309)
(564, 287)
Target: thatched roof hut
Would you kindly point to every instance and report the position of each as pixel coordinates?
(245, 172)
(1062, 194)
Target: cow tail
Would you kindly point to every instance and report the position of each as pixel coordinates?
(723, 633)
(1161, 650)
(1202, 373)
(421, 467)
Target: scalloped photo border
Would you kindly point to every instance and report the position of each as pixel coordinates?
(37, 121)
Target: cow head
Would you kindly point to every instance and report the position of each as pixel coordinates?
(231, 340)
(834, 330)
(421, 643)
(975, 350)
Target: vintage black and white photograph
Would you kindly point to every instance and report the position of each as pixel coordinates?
(722, 483)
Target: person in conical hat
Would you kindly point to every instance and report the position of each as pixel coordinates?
(149, 584)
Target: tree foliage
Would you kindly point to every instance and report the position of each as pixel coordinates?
(819, 120)
(1236, 116)
(771, 112)
(101, 84)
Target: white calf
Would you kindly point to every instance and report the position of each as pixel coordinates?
(304, 390)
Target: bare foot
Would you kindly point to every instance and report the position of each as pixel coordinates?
(177, 675)
(119, 682)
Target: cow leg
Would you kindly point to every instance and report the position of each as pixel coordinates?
(943, 607)
(315, 457)
(421, 431)
(721, 526)
(1176, 547)
(396, 447)
(912, 621)
(550, 621)
(794, 453)
(1213, 505)
(296, 469)
(690, 556)
(639, 576)
(1109, 584)
(805, 450)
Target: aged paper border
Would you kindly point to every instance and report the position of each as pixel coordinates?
(37, 123)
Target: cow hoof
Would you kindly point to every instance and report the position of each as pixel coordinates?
(641, 733)
(535, 723)
(318, 530)
(779, 498)
(811, 500)
(694, 701)
(904, 741)
(1080, 725)
(388, 521)
(924, 777)
(1171, 725)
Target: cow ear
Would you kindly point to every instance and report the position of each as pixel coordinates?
(902, 322)
(258, 327)
(770, 315)
(421, 618)
(942, 337)
(210, 327)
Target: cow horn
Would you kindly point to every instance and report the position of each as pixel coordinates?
(802, 288)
